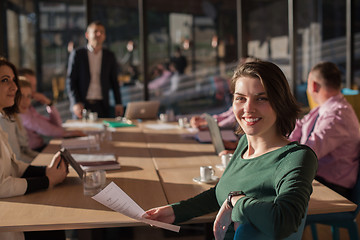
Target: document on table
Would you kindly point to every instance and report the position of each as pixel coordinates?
(86, 142)
(83, 125)
(161, 126)
(116, 199)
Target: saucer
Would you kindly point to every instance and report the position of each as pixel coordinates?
(212, 180)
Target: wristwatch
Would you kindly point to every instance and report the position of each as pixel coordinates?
(232, 194)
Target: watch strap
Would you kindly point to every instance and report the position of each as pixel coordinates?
(232, 194)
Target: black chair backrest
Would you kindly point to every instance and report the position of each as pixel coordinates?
(355, 193)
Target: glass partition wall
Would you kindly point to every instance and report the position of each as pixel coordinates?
(20, 36)
(40, 35)
(356, 62)
(61, 27)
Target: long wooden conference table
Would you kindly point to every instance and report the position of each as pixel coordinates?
(157, 168)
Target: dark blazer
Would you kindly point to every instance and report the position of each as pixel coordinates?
(78, 77)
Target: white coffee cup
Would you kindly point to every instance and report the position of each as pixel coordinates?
(225, 159)
(183, 122)
(163, 117)
(93, 116)
(206, 173)
(93, 181)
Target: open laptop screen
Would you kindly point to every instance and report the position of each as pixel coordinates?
(214, 133)
(142, 110)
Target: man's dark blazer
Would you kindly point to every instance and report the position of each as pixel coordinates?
(78, 77)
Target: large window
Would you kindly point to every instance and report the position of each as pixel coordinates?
(192, 27)
(321, 37)
(204, 34)
(356, 23)
(21, 40)
(62, 28)
(40, 35)
(266, 24)
(13, 37)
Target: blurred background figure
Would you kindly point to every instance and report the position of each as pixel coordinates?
(133, 75)
(179, 61)
(161, 77)
(38, 125)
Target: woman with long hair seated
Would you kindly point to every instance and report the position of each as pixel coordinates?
(16, 177)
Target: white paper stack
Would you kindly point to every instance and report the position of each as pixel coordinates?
(81, 142)
(113, 197)
(161, 126)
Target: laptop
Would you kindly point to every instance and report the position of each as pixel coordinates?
(215, 133)
(142, 110)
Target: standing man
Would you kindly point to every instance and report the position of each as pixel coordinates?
(331, 130)
(92, 72)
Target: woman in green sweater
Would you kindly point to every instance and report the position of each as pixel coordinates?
(268, 181)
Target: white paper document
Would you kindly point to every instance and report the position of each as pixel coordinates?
(80, 142)
(116, 199)
(161, 126)
(83, 125)
(90, 158)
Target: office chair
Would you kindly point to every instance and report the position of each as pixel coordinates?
(353, 97)
(339, 220)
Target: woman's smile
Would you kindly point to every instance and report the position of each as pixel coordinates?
(251, 120)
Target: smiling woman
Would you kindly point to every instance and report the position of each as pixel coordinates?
(16, 177)
(17, 136)
(268, 181)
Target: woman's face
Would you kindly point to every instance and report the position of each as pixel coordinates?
(25, 101)
(7, 87)
(252, 108)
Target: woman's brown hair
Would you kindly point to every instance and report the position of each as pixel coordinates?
(10, 111)
(277, 89)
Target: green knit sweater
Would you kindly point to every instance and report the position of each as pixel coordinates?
(277, 184)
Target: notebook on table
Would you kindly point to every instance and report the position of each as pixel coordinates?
(83, 162)
(142, 110)
(103, 161)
